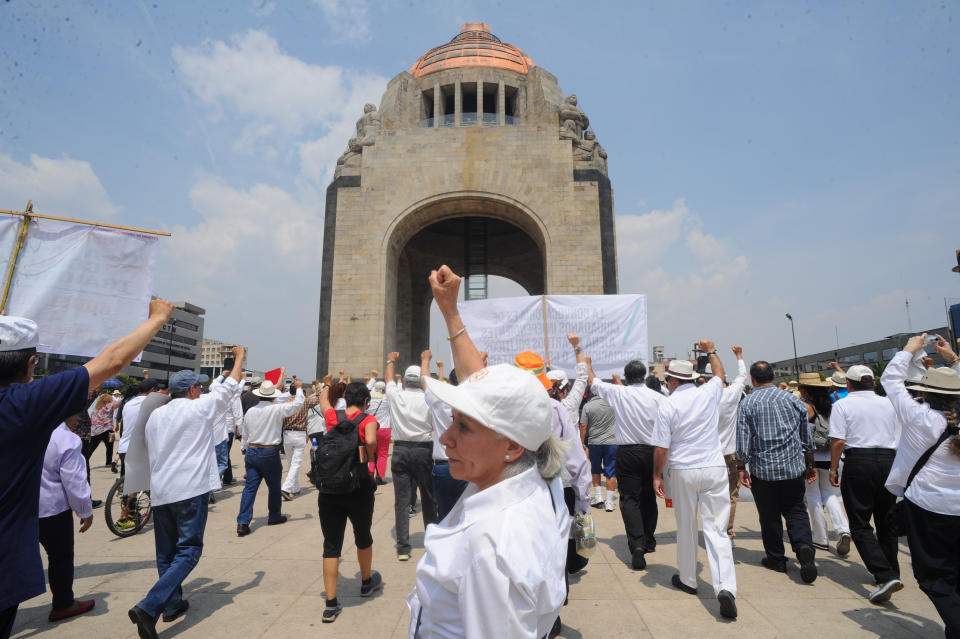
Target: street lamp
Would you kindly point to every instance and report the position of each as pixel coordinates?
(796, 363)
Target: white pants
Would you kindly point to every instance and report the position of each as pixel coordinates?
(294, 441)
(708, 488)
(819, 494)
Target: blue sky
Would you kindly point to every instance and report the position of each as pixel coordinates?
(765, 157)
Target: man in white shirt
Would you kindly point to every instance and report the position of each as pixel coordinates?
(864, 428)
(412, 463)
(225, 424)
(686, 433)
(262, 433)
(446, 489)
(635, 407)
(729, 403)
(182, 472)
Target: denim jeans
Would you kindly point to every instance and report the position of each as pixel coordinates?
(446, 489)
(262, 464)
(178, 533)
(223, 456)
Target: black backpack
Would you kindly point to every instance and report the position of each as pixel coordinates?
(336, 468)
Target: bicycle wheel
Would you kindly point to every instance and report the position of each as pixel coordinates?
(139, 515)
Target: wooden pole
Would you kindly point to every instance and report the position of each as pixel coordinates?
(30, 213)
(21, 236)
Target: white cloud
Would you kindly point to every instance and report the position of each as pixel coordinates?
(64, 187)
(253, 261)
(347, 18)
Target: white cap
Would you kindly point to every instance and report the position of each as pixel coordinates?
(558, 375)
(505, 399)
(858, 372)
(412, 375)
(17, 333)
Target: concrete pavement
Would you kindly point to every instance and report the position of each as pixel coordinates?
(269, 584)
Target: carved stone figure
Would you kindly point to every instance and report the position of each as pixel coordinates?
(570, 111)
(568, 130)
(589, 150)
(369, 127)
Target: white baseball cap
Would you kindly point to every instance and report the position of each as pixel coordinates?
(858, 372)
(17, 333)
(505, 399)
(558, 375)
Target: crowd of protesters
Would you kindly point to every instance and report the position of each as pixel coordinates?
(504, 459)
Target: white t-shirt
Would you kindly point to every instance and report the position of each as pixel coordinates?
(864, 420)
(687, 426)
(130, 412)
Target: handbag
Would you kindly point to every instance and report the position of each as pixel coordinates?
(896, 518)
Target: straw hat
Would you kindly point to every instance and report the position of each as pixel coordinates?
(813, 379)
(267, 389)
(943, 381)
(681, 369)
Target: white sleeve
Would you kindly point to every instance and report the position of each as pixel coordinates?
(490, 604)
(908, 410)
(576, 461)
(288, 409)
(575, 396)
(838, 421)
(661, 427)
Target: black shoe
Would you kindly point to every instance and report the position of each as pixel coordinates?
(213, 499)
(728, 607)
(330, 613)
(555, 630)
(376, 582)
(96, 503)
(146, 625)
(286, 496)
(650, 549)
(113, 468)
(808, 569)
(182, 608)
(773, 564)
(638, 561)
(243, 530)
(682, 586)
(277, 522)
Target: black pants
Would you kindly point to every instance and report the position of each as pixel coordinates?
(638, 502)
(864, 496)
(335, 510)
(782, 499)
(90, 445)
(412, 467)
(935, 551)
(56, 537)
(227, 476)
(7, 617)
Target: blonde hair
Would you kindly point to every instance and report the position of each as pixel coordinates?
(103, 400)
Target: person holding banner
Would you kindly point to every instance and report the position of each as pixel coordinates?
(29, 412)
(635, 407)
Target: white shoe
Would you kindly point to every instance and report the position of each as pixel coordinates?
(883, 591)
(609, 506)
(597, 502)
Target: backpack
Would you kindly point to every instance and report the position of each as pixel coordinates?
(819, 433)
(336, 468)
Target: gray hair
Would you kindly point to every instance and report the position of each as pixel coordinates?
(548, 459)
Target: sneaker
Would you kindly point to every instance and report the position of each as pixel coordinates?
(330, 613)
(773, 564)
(819, 546)
(638, 561)
(124, 524)
(728, 605)
(882, 592)
(682, 586)
(609, 506)
(808, 569)
(843, 546)
(96, 503)
(376, 582)
(76, 608)
(597, 502)
(403, 557)
(146, 625)
(181, 608)
(286, 496)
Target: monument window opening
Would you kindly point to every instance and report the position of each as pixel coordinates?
(510, 104)
(468, 115)
(427, 115)
(489, 106)
(480, 103)
(448, 100)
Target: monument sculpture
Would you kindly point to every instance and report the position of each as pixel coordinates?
(461, 164)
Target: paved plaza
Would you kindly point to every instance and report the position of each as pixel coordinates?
(269, 584)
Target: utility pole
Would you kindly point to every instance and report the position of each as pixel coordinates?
(909, 322)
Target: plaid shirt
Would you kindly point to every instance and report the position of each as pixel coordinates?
(772, 434)
(298, 421)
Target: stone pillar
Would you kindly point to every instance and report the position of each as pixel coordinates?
(480, 101)
(436, 104)
(501, 105)
(457, 103)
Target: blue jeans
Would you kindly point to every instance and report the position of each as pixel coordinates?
(178, 534)
(262, 464)
(223, 456)
(446, 489)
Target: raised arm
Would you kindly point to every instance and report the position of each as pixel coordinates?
(440, 371)
(892, 380)
(120, 353)
(425, 368)
(390, 373)
(446, 285)
(710, 348)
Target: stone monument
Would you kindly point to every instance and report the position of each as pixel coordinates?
(473, 159)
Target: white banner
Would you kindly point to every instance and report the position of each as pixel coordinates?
(612, 329)
(84, 286)
(504, 326)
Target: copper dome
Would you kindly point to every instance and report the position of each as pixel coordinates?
(474, 47)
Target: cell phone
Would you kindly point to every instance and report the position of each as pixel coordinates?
(362, 452)
(931, 339)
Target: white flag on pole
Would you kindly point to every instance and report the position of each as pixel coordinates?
(83, 285)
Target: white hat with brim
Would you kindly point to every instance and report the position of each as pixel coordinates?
(505, 399)
(18, 333)
(267, 389)
(838, 379)
(681, 369)
(943, 381)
